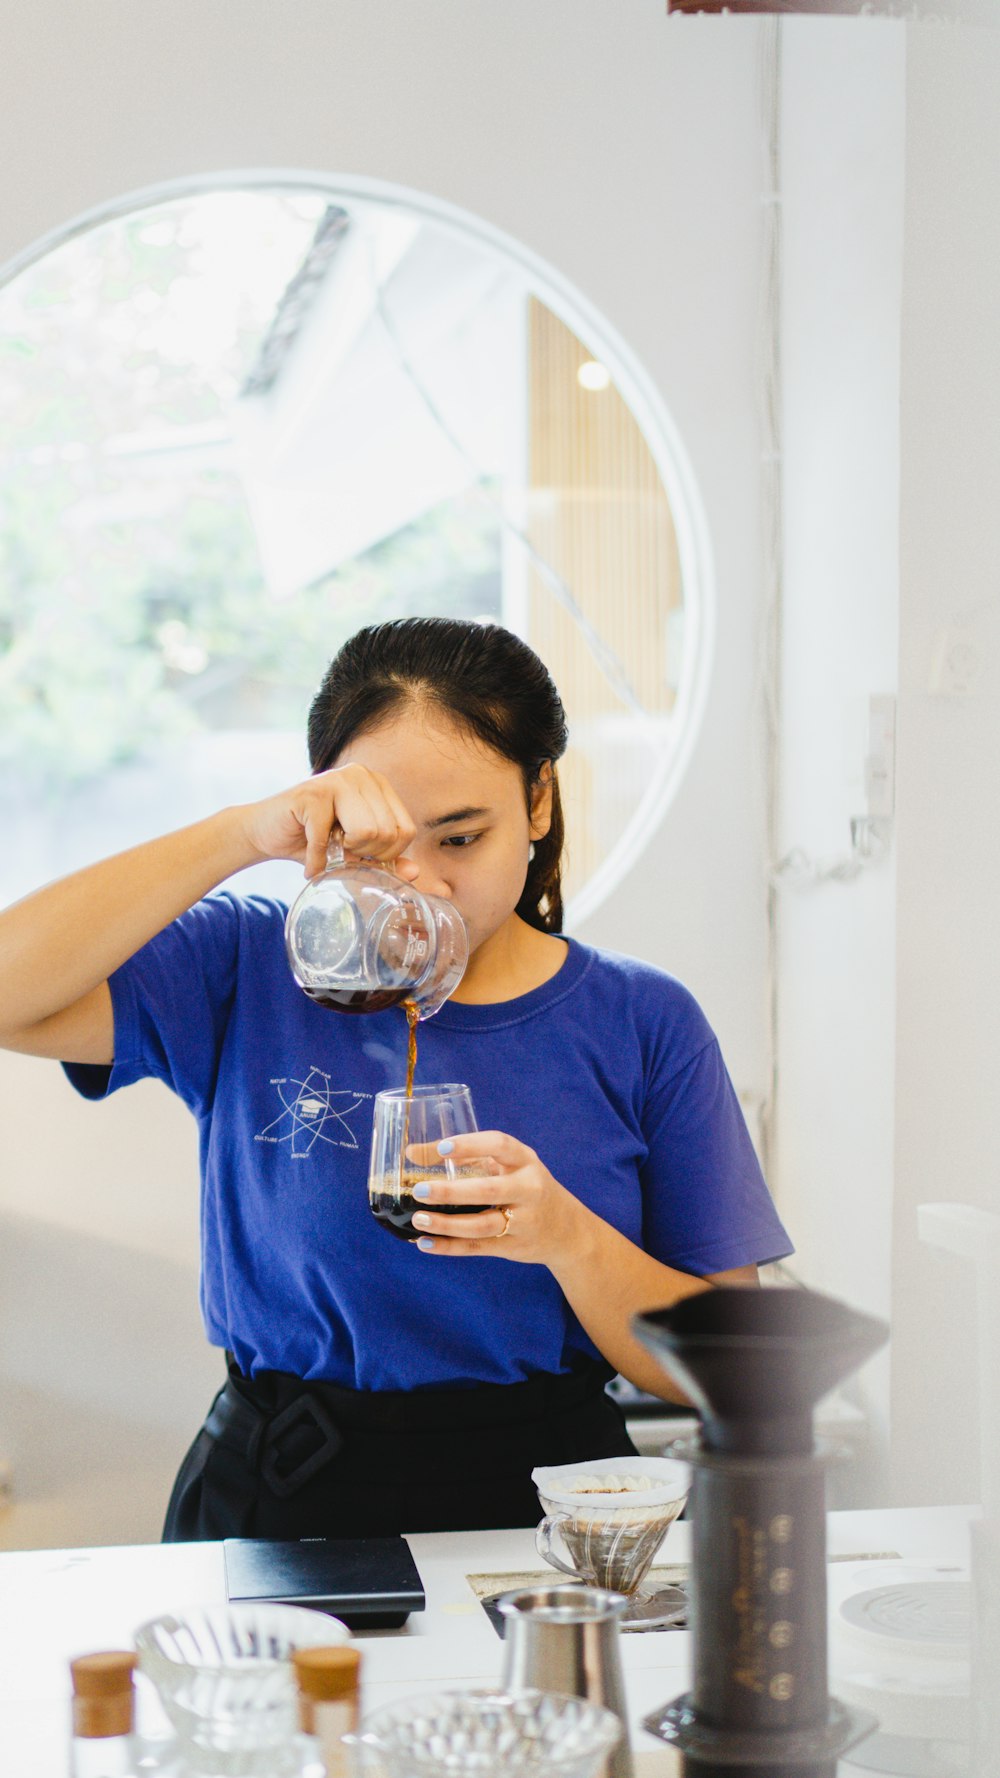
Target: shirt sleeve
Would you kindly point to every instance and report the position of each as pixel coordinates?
(171, 1002)
(706, 1207)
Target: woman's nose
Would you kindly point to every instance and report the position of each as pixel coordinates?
(427, 878)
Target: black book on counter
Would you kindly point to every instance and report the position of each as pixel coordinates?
(371, 1583)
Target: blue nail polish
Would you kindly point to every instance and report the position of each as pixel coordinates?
(446, 1146)
(421, 1191)
(421, 1221)
(426, 1245)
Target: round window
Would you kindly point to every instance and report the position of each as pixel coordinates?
(242, 421)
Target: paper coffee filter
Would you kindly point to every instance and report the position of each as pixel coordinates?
(670, 1481)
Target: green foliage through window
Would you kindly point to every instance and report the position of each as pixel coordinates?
(133, 607)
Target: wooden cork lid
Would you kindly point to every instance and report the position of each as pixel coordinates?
(324, 1673)
(103, 1694)
(324, 1676)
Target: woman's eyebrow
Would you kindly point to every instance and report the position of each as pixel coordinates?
(456, 815)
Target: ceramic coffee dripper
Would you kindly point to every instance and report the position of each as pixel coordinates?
(359, 938)
(611, 1530)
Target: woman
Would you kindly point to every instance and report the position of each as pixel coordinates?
(377, 1385)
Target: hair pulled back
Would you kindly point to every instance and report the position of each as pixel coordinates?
(488, 681)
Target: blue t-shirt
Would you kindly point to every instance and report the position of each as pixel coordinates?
(609, 1071)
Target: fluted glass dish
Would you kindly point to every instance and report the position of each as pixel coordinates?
(486, 1734)
(225, 1679)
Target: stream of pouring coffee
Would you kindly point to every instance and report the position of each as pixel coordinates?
(412, 1012)
(412, 1015)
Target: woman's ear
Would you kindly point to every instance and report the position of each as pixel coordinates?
(541, 801)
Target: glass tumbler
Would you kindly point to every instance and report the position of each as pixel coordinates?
(428, 1116)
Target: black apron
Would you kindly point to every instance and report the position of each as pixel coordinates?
(281, 1458)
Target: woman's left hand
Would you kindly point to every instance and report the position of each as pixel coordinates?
(532, 1217)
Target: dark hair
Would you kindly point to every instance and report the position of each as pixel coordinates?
(488, 680)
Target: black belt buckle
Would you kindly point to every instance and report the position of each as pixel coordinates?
(303, 1410)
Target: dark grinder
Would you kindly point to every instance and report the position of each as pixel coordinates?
(755, 1362)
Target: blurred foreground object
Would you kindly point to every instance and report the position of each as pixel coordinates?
(328, 1681)
(974, 12)
(480, 1731)
(974, 1234)
(755, 1363)
(103, 1715)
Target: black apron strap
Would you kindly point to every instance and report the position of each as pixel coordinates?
(282, 1457)
(286, 1448)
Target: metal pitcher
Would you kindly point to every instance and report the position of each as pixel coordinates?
(566, 1639)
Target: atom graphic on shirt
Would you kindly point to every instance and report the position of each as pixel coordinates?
(310, 1115)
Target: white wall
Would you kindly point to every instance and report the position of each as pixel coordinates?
(948, 979)
(890, 985)
(621, 147)
(842, 148)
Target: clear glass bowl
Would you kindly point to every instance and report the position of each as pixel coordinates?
(225, 1679)
(486, 1734)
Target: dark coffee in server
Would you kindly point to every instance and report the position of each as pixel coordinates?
(358, 999)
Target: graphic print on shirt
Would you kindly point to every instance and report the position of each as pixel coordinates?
(312, 1112)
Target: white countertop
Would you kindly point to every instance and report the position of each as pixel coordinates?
(55, 1604)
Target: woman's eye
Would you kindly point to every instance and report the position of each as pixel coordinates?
(461, 839)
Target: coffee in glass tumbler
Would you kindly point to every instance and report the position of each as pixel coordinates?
(427, 1116)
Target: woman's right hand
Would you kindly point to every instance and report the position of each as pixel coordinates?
(297, 823)
(59, 946)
